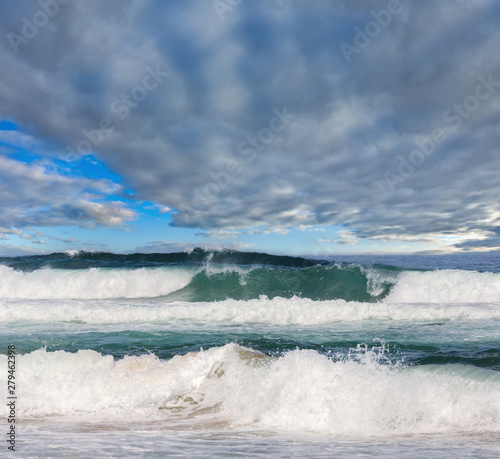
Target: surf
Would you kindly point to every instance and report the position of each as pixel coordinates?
(361, 394)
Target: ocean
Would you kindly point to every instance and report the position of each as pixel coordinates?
(225, 353)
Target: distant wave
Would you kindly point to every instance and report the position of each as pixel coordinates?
(80, 259)
(301, 391)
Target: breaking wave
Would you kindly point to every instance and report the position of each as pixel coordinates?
(201, 276)
(301, 391)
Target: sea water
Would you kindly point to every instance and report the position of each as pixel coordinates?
(210, 354)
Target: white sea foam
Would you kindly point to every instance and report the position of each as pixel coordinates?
(276, 311)
(93, 283)
(445, 286)
(301, 391)
(376, 278)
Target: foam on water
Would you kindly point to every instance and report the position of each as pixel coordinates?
(276, 311)
(302, 391)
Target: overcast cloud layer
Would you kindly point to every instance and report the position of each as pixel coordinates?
(269, 113)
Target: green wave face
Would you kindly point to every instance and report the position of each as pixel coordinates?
(316, 283)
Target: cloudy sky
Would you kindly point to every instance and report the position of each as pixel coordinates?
(286, 126)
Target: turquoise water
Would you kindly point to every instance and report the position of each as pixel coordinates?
(212, 353)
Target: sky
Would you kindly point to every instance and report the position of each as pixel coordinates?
(284, 126)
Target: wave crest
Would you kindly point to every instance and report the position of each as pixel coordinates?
(93, 283)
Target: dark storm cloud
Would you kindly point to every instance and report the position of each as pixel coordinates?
(213, 140)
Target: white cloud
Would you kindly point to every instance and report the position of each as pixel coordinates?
(32, 195)
(8, 250)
